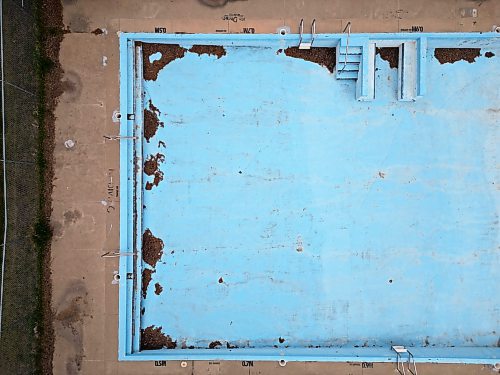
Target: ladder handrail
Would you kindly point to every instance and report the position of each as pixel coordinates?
(313, 30)
(348, 28)
(301, 30)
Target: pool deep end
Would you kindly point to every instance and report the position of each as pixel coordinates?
(279, 210)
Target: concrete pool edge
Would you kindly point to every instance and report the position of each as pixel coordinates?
(131, 277)
(457, 355)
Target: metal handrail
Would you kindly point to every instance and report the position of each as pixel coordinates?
(348, 28)
(301, 30)
(313, 31)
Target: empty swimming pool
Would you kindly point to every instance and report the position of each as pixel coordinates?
(324, 204)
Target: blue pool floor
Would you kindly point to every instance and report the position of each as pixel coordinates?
(294, 216)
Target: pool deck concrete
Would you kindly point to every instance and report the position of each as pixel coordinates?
(86, 194)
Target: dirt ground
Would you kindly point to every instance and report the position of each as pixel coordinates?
(84, 296)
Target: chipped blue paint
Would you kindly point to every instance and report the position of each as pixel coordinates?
(346, 225)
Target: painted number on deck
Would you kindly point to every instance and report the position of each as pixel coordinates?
(414, 29)
(161, 30)
(247, 363)
(160, 363)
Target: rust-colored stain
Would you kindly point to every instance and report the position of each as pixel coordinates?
(151, 121)
(281, 340)
(158, 289)
(452, 55)
(169, 53)
(218, 51)
(489, 54)
(153, 338)
(214, 345)
(389, 54)
(146, 279)
(221, 280)
(279, 51)
(151, 169)
(152, 248)
(323, 56)
(151, 164)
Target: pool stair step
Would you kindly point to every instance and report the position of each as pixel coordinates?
(348, 58)
(355, 59)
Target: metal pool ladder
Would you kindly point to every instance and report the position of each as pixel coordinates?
(400, 363)
(307, 45)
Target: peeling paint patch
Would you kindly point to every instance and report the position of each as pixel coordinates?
(319, 55)
(489, 54)
(151, 164)
(158, 289)
(151, 121)
(152, 248)
(151, 168)
(214, 345)
(153, 338)
(200, 49)
(169, 53)
(389, 54)
(452, 55)
(146, 279)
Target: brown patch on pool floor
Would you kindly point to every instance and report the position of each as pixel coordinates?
(323, 56)
(147, 275)
(169, 53)
(158, 289)
(154, 108)
(151, 164)
(151, 121)
(489, 54)
(151, 169)
(156, 180)
(200, 49)
(389, 54)
(152, 248)
(153, 338)
(214, 344)
(452, 55)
